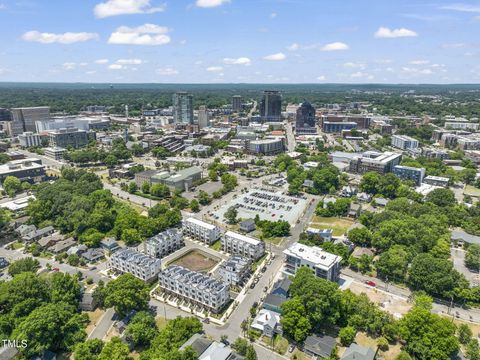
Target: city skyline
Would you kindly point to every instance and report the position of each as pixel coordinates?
(233, 41)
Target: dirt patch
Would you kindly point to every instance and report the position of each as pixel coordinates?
(393, 304)
(196, 260)
(94, 317)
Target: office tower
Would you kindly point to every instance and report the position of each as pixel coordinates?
(236, 103)
(305, 118)
(271, 106)
(183, 108)
(69, 137)
(5, 115)
(23, 119)
(202, 117)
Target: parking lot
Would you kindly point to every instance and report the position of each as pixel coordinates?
(268, 204)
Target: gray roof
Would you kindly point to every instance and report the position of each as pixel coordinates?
(463, 236)
(198, 343)
(274, 300)
(320, 345)
(357, 352)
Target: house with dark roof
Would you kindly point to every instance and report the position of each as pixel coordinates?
(277, 296)
(357, 352)
(319, 345)
(247, 225)
(62, 246)
(93, 255)
(207, 349)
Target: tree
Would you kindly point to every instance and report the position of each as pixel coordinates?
(347, 335)
(464, 334)
(51, 326)
(360, 236)
(229, 182)
(64, 288)
(12, 185)
(240, 346)
(132, 187)
(4, 218)
(116, 349)
(131, 237)
(204, 198)
(126, 293)
(110, 161)
(403, 356)
(473, 350)
(251, 353)
(160, 190)
(194, 205)
(146, 187)
(370, 182)
(142, 329)
(213, 175)
(393, 263)
(27, 264)
(158, 210)
(294, 321)
(231, 215)
(88, 350)
(472, 257)
(442, 197)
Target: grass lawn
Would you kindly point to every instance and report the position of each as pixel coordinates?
(339, 225)
(161, 322)
(363, 339)
(17, 245)
(472, 191)
(94, 317)
(300, 355)
(217, 245)
(274, 240)
(281, 345)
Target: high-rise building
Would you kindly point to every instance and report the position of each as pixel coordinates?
(202, 117)
(305, 118)
(69, 137)
(23, 119)
(30, 139)
(237, 103)
(5, 115)
(404, 142)
(183, 108)
(271, 106)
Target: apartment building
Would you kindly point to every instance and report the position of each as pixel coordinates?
(409, 173)
(238, 244)
(374, 161)
(324, 264)
(197, 288)
(200, 230)
(235, 270)
(29, 139)
(139, 265)
(404, 142)
(164, 243)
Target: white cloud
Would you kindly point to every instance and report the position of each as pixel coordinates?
(65, 38)
(273, 15)
(129, 61)
(215, 69)
(116, 67)
(354, 65)
(335, 46)
(125, 7)
(275, 57)
(91, 72)
(462, 8)
(361, 75)
(83, 64)
(415, 71)
(453, 45)
(420, 62)
(384, 32)
(237, 61)
(321, 78)
(101, 61)
(148, 34)
(210, 3)
(167, 71)
(293, 47)
(69, 66)
(384, 61)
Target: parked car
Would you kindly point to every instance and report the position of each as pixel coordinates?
(291, 348)
(252, 285)
(264, 269)
(370, 283)
(55, 269)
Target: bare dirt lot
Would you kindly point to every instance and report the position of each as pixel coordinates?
(196, 260)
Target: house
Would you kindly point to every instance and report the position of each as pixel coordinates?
(358, 252)
(326, 234)
(319, 345)
(267, 322)
(348, 191)
(277, 296)
(357, 352)
(121, 325)
(8, 353)
(247, 225)
(93, 255)
(25, 229)
(207, 349)
(355, 210)
(50, 240)
(308, 183)
(77, 250)
(381, 201)
(62, 246)
(109, 244)
(38, 234)
(364, 197)
(88, 301)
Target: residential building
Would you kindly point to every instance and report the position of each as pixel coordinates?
(319, 346)
(437, 181)
(183, 108)
(202, 118)
(110, 244)
(271, 106)
(247, 225)
(357, 352)
(409, 173)
(337, 127)
(38, 234)
(200, 230)
(23, 119)
(267, 322)
(93, 255)
(237, 103)
(381, 163)
(305, 119)
(238, 244)
(326, 234)
(461, 125)
(30, 169)
(69, 137)
(195, 287)
(235, 270)
(404, 142)
(30, 139)
(207, 349)
(140, 265)
(324, 264)
(55, 153)
(267, 146)
(164, 243)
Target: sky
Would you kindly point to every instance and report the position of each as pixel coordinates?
(240, 41)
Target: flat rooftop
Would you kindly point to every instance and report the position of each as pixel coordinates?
(201, 223)
(313, 254)
(242, 237)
